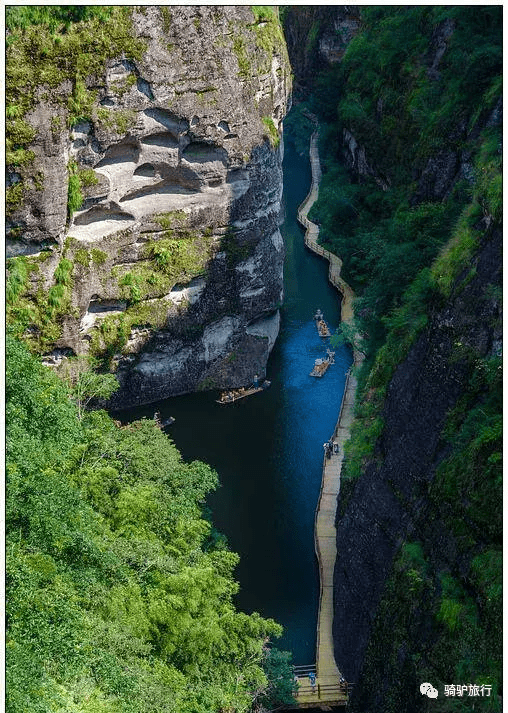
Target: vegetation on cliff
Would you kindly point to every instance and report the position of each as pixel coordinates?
(120, 592)
(415, 118)
(421, 104)
(49, 46)
(414, 107)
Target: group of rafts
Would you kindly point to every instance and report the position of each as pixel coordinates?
(320, 367)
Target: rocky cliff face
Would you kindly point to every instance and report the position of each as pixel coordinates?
(317, 37)
(391, 503)
(174, 257)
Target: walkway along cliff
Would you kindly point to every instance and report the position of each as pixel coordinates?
(330, 688)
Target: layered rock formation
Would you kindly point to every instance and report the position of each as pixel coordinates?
(176, 253)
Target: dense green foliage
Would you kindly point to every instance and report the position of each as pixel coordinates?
(446, 607)
(405, 112)
(400, 105)
(406, 109)
(120, 594)
(450, 624)
(282, 686)
(74, 195)
(408, 246)
(54, 17)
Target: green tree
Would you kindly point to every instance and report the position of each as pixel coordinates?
(86, 385)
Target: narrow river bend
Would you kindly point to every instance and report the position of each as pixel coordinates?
(268, 449)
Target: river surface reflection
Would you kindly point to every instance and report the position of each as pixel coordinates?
(268, 449)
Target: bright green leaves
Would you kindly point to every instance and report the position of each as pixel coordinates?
(19, 135)
(119, 602)
(80, 103)
(273, 134)
(279, 671)
(17, 280)
(86, 385)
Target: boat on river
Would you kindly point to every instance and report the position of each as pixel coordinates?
(228, 397)
(160, 422)
(321, 325)
(321, 365)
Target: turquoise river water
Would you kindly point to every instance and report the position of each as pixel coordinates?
(268, 449)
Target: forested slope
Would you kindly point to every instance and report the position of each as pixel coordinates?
(120, 592)
(411, 200)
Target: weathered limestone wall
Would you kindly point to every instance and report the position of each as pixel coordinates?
(178, 275)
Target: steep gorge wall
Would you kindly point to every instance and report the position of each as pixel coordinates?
(317, 37)
(174, 259)
(417, 578)
(391, 503)
(416, 583)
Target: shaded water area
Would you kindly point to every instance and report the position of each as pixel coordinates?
(268, 449)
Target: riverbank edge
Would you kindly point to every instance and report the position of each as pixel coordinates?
(324, 529)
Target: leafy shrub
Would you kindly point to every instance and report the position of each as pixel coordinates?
(17, 279)
(99, 257)
(263, 13)
(273, 134)
(74, 195)
(14, 197)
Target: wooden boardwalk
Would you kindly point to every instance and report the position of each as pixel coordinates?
(329, 691)
(312, 232)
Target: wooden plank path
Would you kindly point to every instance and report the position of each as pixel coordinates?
(328, 691)
(312, 233)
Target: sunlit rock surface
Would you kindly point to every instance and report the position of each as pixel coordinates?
(186, 153)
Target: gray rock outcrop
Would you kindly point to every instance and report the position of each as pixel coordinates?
(176, 252)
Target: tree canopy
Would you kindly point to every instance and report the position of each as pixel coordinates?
(120, 595)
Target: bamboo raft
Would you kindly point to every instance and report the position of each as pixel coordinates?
(229, 397)
(321, 365)
(162, 423)
(321, 325)
(322, 329)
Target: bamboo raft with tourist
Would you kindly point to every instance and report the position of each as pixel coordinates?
(162, 422)
(228, 397)
(321, 325)
(321, 365)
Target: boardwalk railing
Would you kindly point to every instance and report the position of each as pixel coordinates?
(316, 513)
(344, 394)
(327, 691)
(303, 670)
(312, 232)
